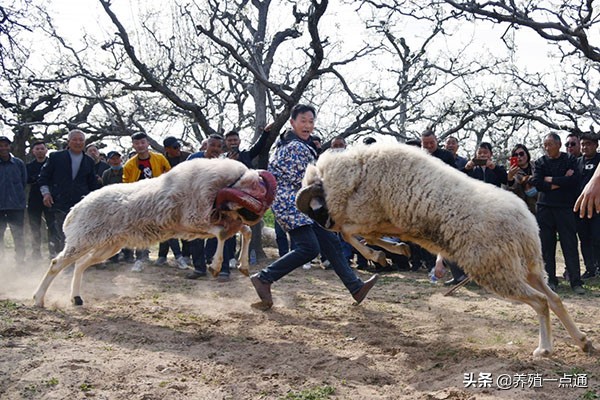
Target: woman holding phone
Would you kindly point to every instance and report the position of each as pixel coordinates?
(519, 174)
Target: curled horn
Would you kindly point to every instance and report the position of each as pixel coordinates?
(237, 196)
(270, 184)
(305, 197)
(311, 201)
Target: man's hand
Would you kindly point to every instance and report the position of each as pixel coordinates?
(48, 200)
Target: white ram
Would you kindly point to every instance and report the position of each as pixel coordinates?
(199, 198)
(400, 191)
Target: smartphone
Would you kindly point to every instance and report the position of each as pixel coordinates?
(514, 162)
(479, 161)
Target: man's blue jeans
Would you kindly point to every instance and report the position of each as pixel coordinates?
(309, 241)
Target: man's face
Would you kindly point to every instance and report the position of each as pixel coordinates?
(551, 147)
(114, 161)
(573, 146)
(140, 145)
(93, 152)
(214, 148)
(173, 151)
(76, 142)
(232, 141)
(452, 145)
(429, 143)
(484, 153)
(588, 148)
(39, 151)
(338, 144)
(303, 125)
(4, 150)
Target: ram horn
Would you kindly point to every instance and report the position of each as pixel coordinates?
(239, 197)
(310, 198)
(270, 184)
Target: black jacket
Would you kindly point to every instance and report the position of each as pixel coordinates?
(557, 168)
(66, 191)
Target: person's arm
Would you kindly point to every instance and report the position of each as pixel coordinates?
(260, 143)
(571, 179)
(538, 178)
(588, 201)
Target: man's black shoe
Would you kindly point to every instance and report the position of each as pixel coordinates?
(196, 274)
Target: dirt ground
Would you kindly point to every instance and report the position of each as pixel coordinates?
(156, 335)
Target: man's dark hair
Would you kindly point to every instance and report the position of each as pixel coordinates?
(138, 136)
(315, 138)
(427, 132)
(589, 136)
(413, 142)
(369, 140)
(573, 134)
(555, 136)
(486, 145)
(301, 109)
(232, 133)
(36, 143)
(216, 136)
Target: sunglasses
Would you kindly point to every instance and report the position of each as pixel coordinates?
(519, 154)
(570, 144)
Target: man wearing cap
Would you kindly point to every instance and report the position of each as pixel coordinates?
(35, 202)
(65, 178)
(174, 156)
(114, 174)
(145, 164)
(173, 151)
(13, 179)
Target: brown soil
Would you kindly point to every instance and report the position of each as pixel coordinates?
(156, 335)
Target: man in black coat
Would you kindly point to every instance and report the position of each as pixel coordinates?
(65, 178)
(35, 203)
(557, 178)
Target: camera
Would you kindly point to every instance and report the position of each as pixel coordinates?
(514, 162)
(479, 161)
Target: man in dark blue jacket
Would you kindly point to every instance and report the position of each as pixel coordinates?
(65, 178)
(557, 177)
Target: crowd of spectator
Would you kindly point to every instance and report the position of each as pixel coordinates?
(549, 186)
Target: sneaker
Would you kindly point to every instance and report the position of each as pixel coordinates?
(588, 275)
(161, 261)
(138, 266)
(181, 264)
(223, 278)
(326, 265)
(578, 290)
(306, 266)
(187, 260)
